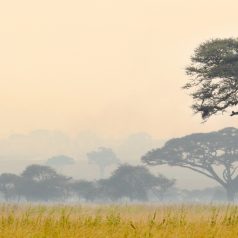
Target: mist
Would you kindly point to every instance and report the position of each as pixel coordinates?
(104, 77)
(76, 165)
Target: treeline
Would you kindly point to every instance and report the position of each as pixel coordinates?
(40, 183)
(43, 183)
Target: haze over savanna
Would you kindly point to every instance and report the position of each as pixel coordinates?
(111, 67)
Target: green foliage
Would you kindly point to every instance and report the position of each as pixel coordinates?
(213, 76)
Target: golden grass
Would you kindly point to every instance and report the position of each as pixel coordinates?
(118, 221)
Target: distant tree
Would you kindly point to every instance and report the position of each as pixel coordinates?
(84, 189)
(133, 182)
(39, 173)
(214, 77)
(9, 185)
(60, 161)
(204, 195)
(40, 182)
(214, 155)
(164, 185)
(103, 157)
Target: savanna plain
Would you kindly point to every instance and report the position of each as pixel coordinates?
(137, 220)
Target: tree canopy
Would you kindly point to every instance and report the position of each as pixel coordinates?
(9, 185)
(135, 183)
(40, 182)
(103, 157)
(60, 161)
(213, 76)
(39, 173)
(204, 153)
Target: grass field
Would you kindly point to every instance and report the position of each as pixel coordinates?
(122, 221)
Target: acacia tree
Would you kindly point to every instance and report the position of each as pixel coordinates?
(133, 182)
(40, 182)
(213, 76)
(60, 161)
(103, 157)
(214, 155)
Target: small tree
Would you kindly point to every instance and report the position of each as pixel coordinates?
(214, 77)
(39, 173)
(103, 157)
(60, 161)
(40, 182)
(9, 185)
(204, 153)
(133, 182)
(84, 189)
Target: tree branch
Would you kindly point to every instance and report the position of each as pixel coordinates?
(233, 113)
(197, 170)
(216, 177)
(225, 175)
(234, 170)
(212, 174)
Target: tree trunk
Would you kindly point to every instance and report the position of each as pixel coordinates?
(230, 194)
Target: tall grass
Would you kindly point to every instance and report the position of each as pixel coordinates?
(119, 221)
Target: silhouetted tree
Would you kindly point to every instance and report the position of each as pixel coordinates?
(41, 182)
(214, 77)
(103, 157)
(217, 194)
(204, 153)
(39, 173)
(133, 182)
(84, 189)
(9, 185)
(60, 161)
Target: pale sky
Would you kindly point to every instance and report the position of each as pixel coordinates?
(112, 67)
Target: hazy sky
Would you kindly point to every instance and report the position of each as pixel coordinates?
(110, 66)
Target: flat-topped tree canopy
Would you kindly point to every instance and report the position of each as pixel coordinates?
(202, 153)
(60, 161)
